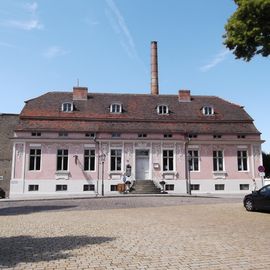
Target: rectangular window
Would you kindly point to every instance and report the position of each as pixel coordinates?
(33, 188)
(62, 160)
(89, 159)
(167, 160)
(242, 160)
(194, 187)
(116, 135)
(36, 134)
(63, 134)
(169, 187)
(88, 187)
(167, 135)
(218, 160)
(90, 135)
(34, 159)
(219, 187)
(193, 160)
(61, 188)
(116, 160)
(142, 135)
(244, 186)
(113, 187)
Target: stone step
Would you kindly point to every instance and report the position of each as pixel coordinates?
(145, 187)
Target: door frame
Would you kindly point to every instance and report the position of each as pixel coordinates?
(149, 161)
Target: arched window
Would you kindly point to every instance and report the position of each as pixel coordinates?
(208, 110)
(116, 108)
(67, 107)
(162, 109)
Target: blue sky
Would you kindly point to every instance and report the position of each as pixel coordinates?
(47, 45)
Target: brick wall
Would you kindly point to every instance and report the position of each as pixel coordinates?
(7, 124)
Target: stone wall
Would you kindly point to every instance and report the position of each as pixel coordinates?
(7, 124)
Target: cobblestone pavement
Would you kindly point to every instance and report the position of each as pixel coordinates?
(192, 235)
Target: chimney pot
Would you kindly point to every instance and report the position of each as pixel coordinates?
(80, 93)
(154, 69)
(184, 96)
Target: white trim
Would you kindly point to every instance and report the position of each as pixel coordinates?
(122, 158)
(34, 145)
(65, 104)
(115, 105)
(243, 149)
(163, 106)
(197, 148)
(28, 159)
(96, 157)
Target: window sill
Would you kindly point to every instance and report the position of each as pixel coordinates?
(62, 175)
(116, 175)
(220, 174)
(169, 175)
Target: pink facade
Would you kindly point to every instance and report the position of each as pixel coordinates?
(130, 144)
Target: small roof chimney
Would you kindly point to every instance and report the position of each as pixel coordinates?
(184, 96)
(80, 93)
(154, 69)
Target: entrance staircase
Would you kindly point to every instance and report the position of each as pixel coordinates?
(145, 187)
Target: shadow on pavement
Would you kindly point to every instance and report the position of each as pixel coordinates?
(26, 249)
(24, 210)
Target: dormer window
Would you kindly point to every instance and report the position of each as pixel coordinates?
(162, 109)
(208, 110)
(116, 108)
(67, 107)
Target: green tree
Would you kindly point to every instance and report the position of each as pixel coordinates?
(266, 164)
(248, 29)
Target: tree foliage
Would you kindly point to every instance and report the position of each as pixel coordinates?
(266, 164)
(248, 29)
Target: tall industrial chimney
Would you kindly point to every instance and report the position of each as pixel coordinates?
(154, 69)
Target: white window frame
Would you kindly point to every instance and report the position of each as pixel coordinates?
(67, 107)
(192, 158)
(89, 159)
(115, 161)
(116, 108)
(35, 156)
(168, 158)
(216, 159)
(162, 109)
(62, 161)
(242, 160)
(208, 110)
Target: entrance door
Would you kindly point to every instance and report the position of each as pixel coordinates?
(142, 164)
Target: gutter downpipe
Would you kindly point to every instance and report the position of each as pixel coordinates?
(187, 170)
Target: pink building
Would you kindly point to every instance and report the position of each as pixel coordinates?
(84, 143)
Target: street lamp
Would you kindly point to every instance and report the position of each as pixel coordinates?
(102, 159)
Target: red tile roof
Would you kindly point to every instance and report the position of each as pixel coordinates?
(139, 114)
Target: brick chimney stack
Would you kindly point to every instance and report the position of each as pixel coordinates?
(80, 93)
(154, 69)
(184, 95)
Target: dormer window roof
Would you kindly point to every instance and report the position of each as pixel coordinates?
(116, 108)
(67, 107)
(208, 110)
(162, 109)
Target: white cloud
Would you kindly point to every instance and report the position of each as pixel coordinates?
(32, 23)
(24, 25)
(120, 27)
(32, 7)
(220, 57)
(55, 51)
